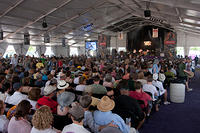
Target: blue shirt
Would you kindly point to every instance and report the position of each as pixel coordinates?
(89, 122)
(155, 69)
(104, 118)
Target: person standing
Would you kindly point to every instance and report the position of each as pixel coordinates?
(14, 60)
(182, 74)
(196, 59)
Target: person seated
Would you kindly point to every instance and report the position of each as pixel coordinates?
(4, 91)
(3, 120)
(149, 87)
(77, 116)
(61, 86)
(42, 120)
(161, 90)
(110, 130)
(17, 97)
(39, 82)
(127, 75)
(139, 94)
(96, 87)
(68, 77)
(44, 75)
(49, 93)
(108, 81)
(82, 84)
(105, 116)
(62, 118)
(128, 107)
(39, 64)
(88, 121)
(33, 96)
(19, 122)
(141, 78)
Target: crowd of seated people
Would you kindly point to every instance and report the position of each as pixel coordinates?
(83, 95)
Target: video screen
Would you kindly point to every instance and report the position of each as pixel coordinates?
(91, 45)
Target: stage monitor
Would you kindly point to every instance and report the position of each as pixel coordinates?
(90, 48)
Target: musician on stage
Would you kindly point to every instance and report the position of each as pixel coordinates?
(182, 73)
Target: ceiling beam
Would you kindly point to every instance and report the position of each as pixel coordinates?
(11, 7)
(72, 18)
(37, 19)
(176, 3)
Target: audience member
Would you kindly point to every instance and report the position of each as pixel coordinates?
(19, 122)
(77, 116)
(62, 118)
(49, 93)
(42, 120)
(17, 97)
(3, 120)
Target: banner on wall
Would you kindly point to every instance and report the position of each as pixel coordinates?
(155, 33)
(104, 40)
(170, 38)
(120, 35)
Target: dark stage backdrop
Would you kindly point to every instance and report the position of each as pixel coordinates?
(137, 37)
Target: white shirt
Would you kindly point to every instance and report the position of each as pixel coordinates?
(142, 81)
(80, 87)
(152, 89)
(74, 128)
(49, 130)
(76, 80)
(3, 96)
(16, 98)
(14, 61)
(160, 86)
(3, 123)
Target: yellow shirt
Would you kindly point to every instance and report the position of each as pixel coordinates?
(39, 65)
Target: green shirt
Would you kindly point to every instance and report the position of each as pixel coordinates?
(98, 89)
(181, 68)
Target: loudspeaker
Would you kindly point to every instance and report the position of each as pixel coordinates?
(147, 13)
(63, 42)
(26, 39)
(46, 39)
(1, 35)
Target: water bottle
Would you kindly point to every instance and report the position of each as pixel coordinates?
(128, 121)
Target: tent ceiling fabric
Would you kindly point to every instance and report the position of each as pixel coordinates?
(66, 18)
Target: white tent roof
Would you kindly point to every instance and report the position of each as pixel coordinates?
(66, 18)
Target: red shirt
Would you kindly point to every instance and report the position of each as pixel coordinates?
(49, 102)
(60, 64)
(140, 96)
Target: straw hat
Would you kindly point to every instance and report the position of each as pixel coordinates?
(106, 104)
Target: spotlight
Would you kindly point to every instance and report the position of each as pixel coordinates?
(44, 23)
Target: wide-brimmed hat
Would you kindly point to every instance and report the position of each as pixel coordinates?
(65, 99)
(162, 77)
(77, 111)
(49, 89)
(105, 104)
(62, 84)
(155, 76)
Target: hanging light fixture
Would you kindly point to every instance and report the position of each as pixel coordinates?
(44, 23)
